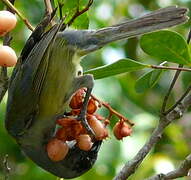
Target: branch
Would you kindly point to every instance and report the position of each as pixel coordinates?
(48, 6)
(173, 83)
(7, 169)
(182, 171)
(78, 13)
(164, 121)
(112, 111)
(179, 100)
(25, 20)
(49, 11)
(170, 90)
(180, 68)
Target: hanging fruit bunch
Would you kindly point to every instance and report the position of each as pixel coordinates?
(70, 129)
(8, 22)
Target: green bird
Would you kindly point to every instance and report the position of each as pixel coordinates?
(48, 73)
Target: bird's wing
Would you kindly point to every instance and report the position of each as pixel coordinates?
(26, 85)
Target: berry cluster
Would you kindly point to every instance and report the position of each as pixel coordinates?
(72, 130)
(7, 54)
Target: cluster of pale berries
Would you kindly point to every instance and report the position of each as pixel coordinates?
(70, 129)
(8, 22)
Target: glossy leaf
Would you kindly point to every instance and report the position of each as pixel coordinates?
(69, 8)
(82, 22)
(147, 81)
(166, 45)
(119, 67)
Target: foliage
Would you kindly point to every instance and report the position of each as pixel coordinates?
(166, 45)
(133, 98)
(121, 66)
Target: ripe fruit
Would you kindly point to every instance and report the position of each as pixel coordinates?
(98, 128)
(121, 130)
(84, 142)
(92, 107)
(7, 56)
(7, 22)
(77, 100)
(71, 129)
(57, 149)
(61, 134)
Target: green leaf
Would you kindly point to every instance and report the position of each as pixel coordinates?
(119, 67)
(69, 8)
(147, 81)
(166, 45)
(82, 22)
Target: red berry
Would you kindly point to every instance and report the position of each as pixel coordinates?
(75, 112)
(77, 100)
(71, 128)
(65, 122)
(121, 130)
(61, 134)
(84, 142)
(126, 131)
(7, 56)
(7, 22)
(98, 128)
(57, 149)
(92, 107)
(99, 117)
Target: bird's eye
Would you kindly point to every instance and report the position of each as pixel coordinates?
(79, 73)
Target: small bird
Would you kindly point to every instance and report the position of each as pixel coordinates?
(48, 73)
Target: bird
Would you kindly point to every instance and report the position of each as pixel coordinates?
(48, 73)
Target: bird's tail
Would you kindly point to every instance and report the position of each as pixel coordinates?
(156, 20)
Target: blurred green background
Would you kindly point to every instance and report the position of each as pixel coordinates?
(143, 109)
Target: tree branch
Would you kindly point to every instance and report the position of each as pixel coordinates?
(164, 121)
(179, 100)
(180, 68)
(48, 6)
(173, 83)
(78, 12)
(7, 169)
(25, 20)
(170, 90)
(179, 172)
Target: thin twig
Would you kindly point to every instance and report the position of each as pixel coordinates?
(60, 5)
(170, 68)
(170, 89)
(133, 164)
(188, 89)
(7, 169)
(182, 171)
(112, 111)
(178, 101)
(49, 10)
(189, 37)
(48, 6)
(25, 20)
(78, 12)
(163, 108)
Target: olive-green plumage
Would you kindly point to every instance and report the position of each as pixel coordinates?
(48, 74)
